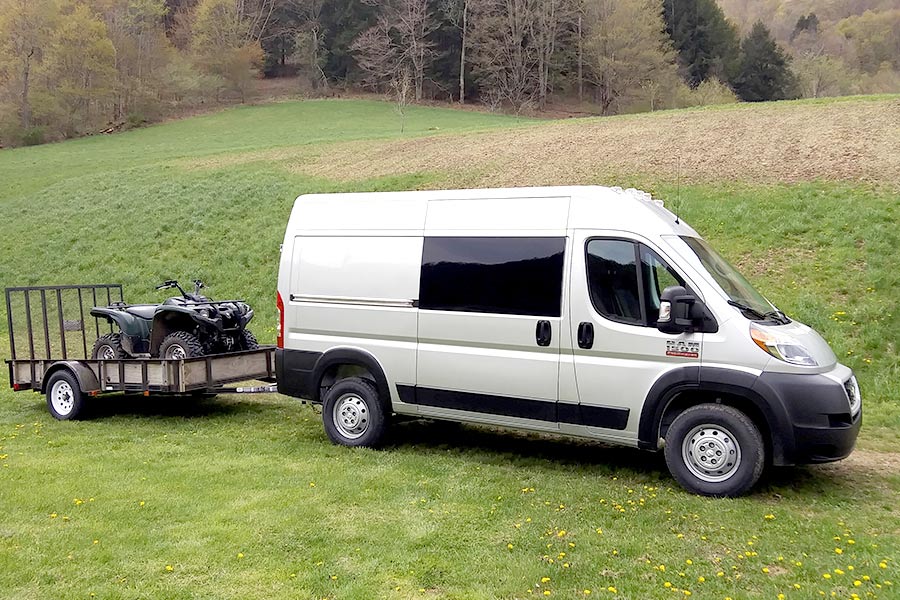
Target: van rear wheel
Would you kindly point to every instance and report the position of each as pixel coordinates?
(715, 450)
(353, 414)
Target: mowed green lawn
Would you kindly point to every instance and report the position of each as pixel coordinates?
(244, 496)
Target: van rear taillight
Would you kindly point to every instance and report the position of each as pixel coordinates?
(279, 340)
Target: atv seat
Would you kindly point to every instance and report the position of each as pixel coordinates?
(143, 311)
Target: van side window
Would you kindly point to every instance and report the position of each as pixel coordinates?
(501, 275)
(618, 291)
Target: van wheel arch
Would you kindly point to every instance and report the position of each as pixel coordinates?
(685, 400)
(342, 363)
(680, 389)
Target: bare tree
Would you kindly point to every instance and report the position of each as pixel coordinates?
(398, 41)
(504, 53)
(457, 12)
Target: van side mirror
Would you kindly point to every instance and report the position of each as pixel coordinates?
(680, 312)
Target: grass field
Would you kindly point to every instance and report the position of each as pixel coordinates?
(244, 497)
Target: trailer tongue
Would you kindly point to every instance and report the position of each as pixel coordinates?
(51, 354)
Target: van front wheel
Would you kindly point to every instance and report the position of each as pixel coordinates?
(353, 414)
(715, 450)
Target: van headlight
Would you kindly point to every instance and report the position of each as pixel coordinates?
(782, 346)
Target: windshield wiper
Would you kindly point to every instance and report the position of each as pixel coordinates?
(779, 316)
(748, 309)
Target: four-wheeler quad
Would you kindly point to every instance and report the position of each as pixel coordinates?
(181, 327)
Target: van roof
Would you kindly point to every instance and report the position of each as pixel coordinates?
(509, 209)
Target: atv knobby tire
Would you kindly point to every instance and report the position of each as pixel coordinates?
(108, 347)
(180, 345)
(247, 341)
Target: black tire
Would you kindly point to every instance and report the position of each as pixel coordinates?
(108, 347)
(715, 450)
(247, 341)
(65, 400)
(180, 344)
(353, 413)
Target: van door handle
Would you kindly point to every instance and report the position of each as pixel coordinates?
(585, 335)
(543, 333)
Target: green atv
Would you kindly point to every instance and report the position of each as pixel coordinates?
(183, 326)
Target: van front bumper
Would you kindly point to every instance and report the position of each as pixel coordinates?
(818, 424)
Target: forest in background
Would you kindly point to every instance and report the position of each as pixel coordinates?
(75, 67)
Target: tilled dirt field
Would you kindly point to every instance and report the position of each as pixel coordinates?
(848, 140)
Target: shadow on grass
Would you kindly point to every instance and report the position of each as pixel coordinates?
(174, 406)
(497, 446)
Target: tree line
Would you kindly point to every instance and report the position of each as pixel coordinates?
(69, 67)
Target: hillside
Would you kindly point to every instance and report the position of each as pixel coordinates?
(244, 497)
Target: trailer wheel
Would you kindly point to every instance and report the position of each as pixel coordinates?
(353, 413)
(180, 345)
(65, 399)
(715, 450)
(108, 347)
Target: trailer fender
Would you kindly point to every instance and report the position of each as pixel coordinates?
(87, 381)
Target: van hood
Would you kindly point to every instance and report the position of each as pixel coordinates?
(810, 339)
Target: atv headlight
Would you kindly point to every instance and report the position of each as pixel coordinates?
(204, 312)
(782, 346)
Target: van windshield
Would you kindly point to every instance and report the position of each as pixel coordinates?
(735, 286)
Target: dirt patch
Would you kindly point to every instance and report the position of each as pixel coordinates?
(856, 140)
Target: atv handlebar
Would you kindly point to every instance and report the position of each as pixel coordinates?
(167, 284)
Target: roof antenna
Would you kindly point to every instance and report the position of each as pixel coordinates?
(677, 203)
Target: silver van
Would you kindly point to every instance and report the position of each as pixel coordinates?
(585, 311)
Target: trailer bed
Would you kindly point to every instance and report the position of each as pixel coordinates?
(151, 375)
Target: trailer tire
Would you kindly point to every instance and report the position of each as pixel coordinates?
(108, 347)
(353, 414)
(180, 345)
(65, 400)
(715, 450)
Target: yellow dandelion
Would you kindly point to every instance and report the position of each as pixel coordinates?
(720, 574)
(765, 569)
(882, 565)
(838, 551)
(857, 583)
(561, 533)
(509, 546)
(701, 579)
(667, 584)
(546, 592)
(689, 561)
(780, 596)
(545, 579)
(170, 568)
(240, 555)
(838, 572)
(334, 577)
(587, 592)
(687, 592)
(796, 586)
(611, 589)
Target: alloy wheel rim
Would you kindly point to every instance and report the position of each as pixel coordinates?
(106, 352)
(176, 352)
(711, 453)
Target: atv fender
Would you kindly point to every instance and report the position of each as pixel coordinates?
(172, 318)
(129, 324)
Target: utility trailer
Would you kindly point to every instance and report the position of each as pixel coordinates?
(51, 355)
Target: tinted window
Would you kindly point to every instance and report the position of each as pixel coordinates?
(509, 275)
(613, 280)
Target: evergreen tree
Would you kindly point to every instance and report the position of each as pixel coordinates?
(707, 43)
(764, 73)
